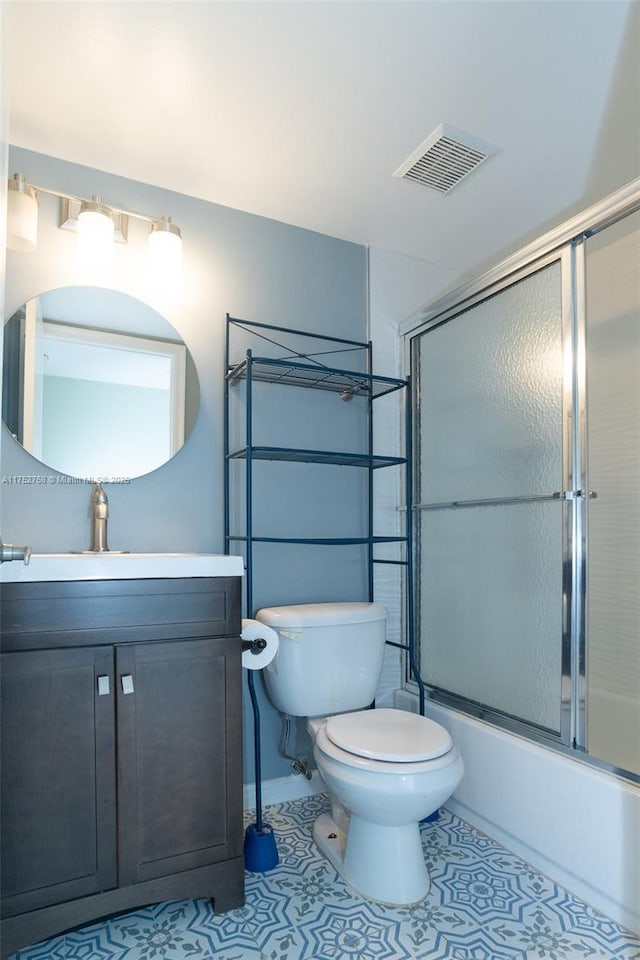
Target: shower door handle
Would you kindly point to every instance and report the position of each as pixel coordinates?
(579, 495)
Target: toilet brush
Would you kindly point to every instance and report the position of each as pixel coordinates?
(260, 851)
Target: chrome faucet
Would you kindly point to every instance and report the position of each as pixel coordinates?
(9, 552)
(100, 509)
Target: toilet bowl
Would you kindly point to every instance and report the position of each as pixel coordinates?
(385, 770)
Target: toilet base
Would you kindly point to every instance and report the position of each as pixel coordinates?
(385, 864)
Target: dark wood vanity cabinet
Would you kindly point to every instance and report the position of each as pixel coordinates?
(121, 750)
(58, 784)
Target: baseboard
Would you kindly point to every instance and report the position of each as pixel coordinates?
(283, 788)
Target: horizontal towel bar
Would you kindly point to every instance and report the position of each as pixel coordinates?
(500, 501)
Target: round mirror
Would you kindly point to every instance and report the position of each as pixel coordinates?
(96, 384)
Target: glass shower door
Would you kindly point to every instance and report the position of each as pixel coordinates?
(613, 472)
(490, 528)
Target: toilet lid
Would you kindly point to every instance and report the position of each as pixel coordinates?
(387, 734)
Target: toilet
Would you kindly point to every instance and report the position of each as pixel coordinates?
(385, 770)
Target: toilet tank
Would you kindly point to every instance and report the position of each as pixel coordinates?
(329, 656)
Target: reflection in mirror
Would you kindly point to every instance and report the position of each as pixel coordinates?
(96, 383)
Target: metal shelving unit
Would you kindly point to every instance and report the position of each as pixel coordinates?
(299, 363)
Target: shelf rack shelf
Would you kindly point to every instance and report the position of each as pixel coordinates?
(329, 541)
(299, 363)
(290, 455)
(349, 383)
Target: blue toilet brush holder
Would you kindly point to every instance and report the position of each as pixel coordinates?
(260, 850)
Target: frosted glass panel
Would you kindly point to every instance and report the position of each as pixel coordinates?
(489, 589)
(490, 384)
(613, 425)
(490, 600)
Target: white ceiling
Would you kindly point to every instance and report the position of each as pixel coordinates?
(301, 111)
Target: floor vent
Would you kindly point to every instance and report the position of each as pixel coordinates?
(444, 159)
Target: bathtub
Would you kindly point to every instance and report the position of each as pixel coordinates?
(575, 823)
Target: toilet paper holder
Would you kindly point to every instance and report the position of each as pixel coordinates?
(254, 646)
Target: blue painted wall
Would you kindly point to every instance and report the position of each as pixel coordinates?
(253, 268)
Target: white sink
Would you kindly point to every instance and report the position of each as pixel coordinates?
(119, 566)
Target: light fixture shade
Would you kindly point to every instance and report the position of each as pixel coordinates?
(22, 216)
(95, 234)
(165, 251)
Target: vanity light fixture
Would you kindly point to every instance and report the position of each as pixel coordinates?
(97, 224)
(22, 215)
(95, 220)
(95, 232)
(165, 248)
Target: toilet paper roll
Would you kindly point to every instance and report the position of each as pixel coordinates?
(254, 630)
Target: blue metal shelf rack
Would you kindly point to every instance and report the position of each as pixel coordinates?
(302, 368)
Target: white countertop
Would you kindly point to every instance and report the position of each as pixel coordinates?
(119, 566)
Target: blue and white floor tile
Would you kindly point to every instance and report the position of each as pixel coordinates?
(484, 904)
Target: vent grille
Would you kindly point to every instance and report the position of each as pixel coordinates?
(444, 159)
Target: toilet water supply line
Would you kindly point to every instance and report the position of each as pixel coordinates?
(298, 764)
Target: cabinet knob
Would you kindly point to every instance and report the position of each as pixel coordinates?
(127, 683)
(103, 686)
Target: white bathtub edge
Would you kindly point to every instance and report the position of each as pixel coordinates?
(574, 823)
(623, 915)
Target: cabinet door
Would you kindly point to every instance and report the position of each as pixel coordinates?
(58, 776)
(179, 756)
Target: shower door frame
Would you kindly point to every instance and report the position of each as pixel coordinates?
(566, 245)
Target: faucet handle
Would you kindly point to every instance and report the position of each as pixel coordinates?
(9, 552)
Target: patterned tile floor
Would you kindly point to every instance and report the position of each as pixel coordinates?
(484, 904)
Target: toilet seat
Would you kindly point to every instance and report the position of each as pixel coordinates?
(323, 745)
(394, 736)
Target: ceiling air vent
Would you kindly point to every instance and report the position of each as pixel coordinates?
(444, 159)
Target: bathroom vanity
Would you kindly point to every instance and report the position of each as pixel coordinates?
(121, 738)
